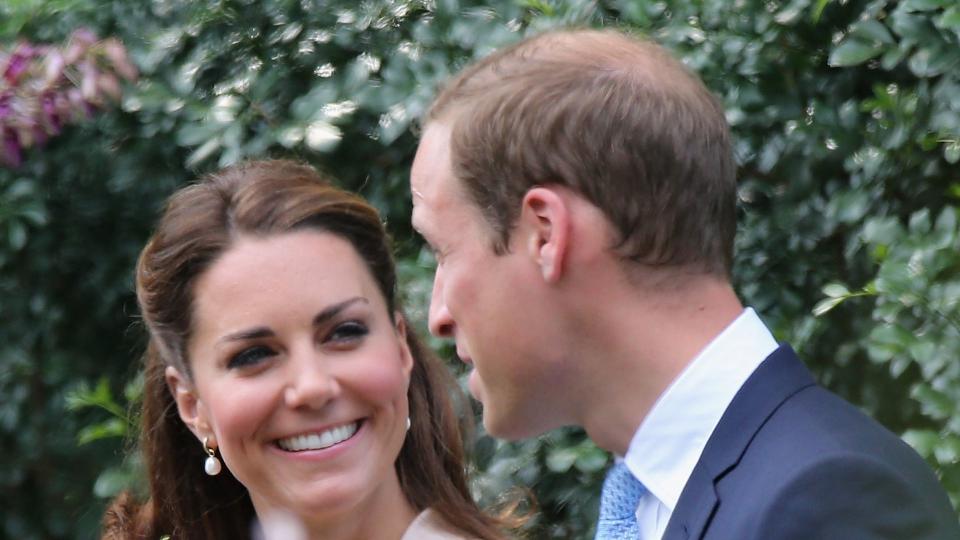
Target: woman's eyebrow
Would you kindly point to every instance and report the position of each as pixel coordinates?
(322, 317)
(335, 309)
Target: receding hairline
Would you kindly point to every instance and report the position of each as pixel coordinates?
(600, 53)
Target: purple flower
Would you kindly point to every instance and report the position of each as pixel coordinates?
(117, 55)
(50, 116)
(11, 153)
(54, 67)
(40, 135)
(5, 108)
(45, 87)
(15, 67)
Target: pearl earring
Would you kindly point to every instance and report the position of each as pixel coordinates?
(408, 423)
(211, 465)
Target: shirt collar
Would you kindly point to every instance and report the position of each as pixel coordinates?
(669, 441)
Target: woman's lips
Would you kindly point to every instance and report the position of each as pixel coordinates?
(319, 440)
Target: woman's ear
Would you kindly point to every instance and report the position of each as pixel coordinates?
(546, 219)
(406, 357)
(188, 403)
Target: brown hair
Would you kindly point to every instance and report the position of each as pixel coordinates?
(199, 224)
(613, 117)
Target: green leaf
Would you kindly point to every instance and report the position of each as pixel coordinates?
(872, 30)
(920, 222)
(910, 26)
(926, 5)
(111, 482)
(17, 235)
(818, 10)
(881, 230)
(946, 226)
(934, 403)
(133, 390)
(922, 440)
(836, 290)
(853, 52)
(591, 460)
(22, 188)
(931, 61)
(559, 460)
(947, 450)
(954, 190)
(205, 151)
(194, 134)
(951, 152)
(826, 305)
(34, 213)
(950, 20)
(111, 428)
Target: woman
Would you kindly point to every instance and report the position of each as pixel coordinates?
(280, 376)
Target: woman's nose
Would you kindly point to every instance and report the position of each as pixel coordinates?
(310, 383)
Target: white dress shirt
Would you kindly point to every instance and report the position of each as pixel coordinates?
(669, 442)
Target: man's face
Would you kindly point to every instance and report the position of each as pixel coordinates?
(486, 302)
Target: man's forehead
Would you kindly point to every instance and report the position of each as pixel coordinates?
(431, 165)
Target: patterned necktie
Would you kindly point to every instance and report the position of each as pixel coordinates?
(618, 505)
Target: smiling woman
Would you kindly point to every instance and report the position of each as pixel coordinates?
(281, 379)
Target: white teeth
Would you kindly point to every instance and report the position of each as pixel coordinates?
(319, 441)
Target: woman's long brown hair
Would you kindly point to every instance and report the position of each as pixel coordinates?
(197, 227)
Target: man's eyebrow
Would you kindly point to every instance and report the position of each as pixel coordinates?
(319, 319)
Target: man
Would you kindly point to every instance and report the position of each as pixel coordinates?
(578, 190)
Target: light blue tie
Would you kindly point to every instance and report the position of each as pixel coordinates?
(618, 505)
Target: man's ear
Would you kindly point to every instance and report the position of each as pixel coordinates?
(188, 404)
(406, 357)
(546, 218)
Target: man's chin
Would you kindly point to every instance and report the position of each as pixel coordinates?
(503, 428)
(475, 386)
(500, 423)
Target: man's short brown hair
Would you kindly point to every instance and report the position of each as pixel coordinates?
(613, 117)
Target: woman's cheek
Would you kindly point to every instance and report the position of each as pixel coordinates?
(240, 409)
(382, 380)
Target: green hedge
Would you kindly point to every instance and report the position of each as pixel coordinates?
(847, 120)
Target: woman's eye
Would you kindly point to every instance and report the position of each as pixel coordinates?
(249, 357)
(347, 332)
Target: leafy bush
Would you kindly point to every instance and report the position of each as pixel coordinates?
(847, 120)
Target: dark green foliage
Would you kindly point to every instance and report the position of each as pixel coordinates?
(847, 120)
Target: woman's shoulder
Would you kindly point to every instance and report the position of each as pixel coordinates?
(430, 525)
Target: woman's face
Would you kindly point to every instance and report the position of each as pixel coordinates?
(299, 375)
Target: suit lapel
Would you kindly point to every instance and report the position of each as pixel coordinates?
(780, 376)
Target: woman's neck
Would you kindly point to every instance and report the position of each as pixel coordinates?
(385, 515)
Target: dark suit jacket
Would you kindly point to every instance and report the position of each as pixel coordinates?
(791, 461)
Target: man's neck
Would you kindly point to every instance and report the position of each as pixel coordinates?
(641, 343)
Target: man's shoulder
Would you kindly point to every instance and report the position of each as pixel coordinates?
(817, 455)
(814, 426)
(797, 417)
(789, 459)
(827, 424)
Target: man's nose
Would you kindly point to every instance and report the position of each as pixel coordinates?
(310, 383)
(439, 321)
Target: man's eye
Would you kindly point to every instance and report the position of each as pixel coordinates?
(249, 357)
(347, 332)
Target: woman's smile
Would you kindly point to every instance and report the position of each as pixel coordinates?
(319, 440)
